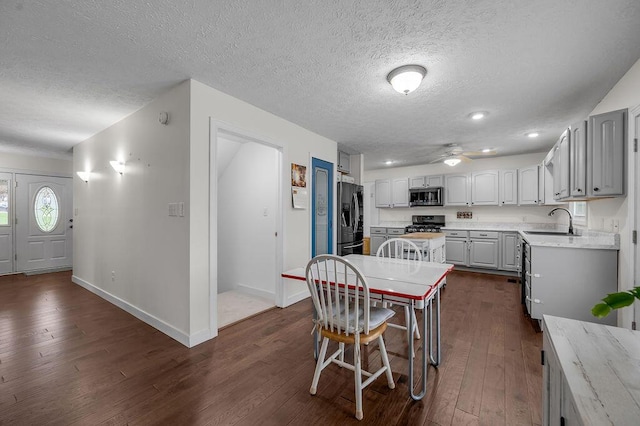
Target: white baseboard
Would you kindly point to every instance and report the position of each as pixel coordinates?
(258, 292)
(295, 298)
(169, 330)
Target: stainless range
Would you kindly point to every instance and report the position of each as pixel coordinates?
(426, 235)
(431, 223)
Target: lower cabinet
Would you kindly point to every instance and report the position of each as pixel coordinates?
(590, 374)
(476, 249)
(457, 247)
(558, 407)
(483, 249)
(381, 234)
(568, 282)
(509, 257)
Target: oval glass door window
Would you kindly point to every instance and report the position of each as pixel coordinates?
(46, 209)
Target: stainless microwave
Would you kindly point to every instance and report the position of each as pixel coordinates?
(426, 196)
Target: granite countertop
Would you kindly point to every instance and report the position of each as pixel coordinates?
(391, 225)
(586, 239)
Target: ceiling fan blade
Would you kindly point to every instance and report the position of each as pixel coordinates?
(464, 158)
(478, 153)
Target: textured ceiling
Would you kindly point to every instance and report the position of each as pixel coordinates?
(69, 69)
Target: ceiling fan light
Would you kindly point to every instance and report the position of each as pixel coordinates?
(486, 150)
(407, 78)
(451, 161)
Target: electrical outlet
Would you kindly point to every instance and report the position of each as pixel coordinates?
(113, 275)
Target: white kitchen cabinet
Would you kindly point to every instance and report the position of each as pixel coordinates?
(457, 190)
(400, 192)
(392, 192)
(483, 249)
(606, 152)
(568, 282)
(508, 187)
(383, 193)
(561, 167)
(578, 160)
(590, 374)
(509, 256)
(456, 247)
(344, 162)
(528, 186)
(426, 181)
(484, 188)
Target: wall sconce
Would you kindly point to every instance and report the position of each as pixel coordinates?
(118, 166)
(84, 176)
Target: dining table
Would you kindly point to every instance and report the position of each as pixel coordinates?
(412, 283)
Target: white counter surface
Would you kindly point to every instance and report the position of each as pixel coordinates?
(586, 240)
(601, 365)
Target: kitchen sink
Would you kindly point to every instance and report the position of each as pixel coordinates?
(557, 233)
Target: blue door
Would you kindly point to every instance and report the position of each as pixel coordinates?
(322, 207)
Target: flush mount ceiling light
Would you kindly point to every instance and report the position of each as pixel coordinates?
(478, 115)
(84, 176)
(407, 78)
(486, 150)
(532, 134)
(451, 161)
(388, 162)
(118, 166)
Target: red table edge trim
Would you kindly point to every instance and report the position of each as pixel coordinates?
(388, 293)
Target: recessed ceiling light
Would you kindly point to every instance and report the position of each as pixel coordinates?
(486, 150)
(388, 162)
(532, 134)
(478, 115)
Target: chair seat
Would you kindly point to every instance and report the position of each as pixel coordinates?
(377, 316)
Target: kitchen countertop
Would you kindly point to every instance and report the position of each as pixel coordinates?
(391, 225)
(586, 239)
(600, 365)
(422, 235)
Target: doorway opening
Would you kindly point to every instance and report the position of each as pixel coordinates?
(247, 225)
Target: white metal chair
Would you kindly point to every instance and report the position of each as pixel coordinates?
(341, 301)
(401, 248)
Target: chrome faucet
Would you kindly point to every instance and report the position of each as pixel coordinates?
(570, 217)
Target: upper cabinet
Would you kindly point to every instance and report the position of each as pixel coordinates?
(528, 186)
(508, 187)
(426, 181)
(344, 162)
(484, 188)
(605, 154)
(457, 190)
(392, 192)
(578, 159)
(561, 163)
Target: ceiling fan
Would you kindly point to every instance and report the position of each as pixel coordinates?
(452, 154)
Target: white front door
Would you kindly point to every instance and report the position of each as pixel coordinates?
(6, 223)
(44, 233)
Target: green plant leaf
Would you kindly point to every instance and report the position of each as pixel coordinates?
(601, 310)
(636, 292)
(619, 300)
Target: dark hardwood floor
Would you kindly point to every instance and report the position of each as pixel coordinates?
(69, 357)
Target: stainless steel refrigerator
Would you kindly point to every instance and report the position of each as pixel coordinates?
(350, 217)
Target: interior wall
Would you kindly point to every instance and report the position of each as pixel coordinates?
(603, 214)
(247, 203)
(491, 214)
(127, 248)
(298, 146)
(36, 164)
